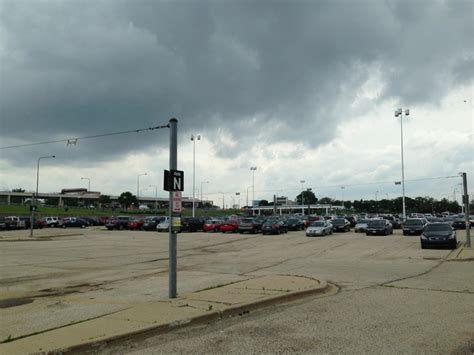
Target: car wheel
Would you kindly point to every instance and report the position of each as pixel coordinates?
(404, 233)
(423, 246)
(216, 230)
(63, 226)
(83, 226)
(120, 227)
(324, 233)
(454, 244)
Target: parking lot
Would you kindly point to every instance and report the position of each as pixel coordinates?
(85, 273)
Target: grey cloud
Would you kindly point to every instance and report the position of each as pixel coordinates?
(265, 71)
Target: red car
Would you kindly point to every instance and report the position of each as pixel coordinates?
(211, 225)
(229, 226)
(135, 224)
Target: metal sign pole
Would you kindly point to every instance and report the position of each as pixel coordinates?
(172, 234)
(466, 210)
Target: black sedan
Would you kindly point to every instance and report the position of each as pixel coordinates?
(340, 225)
(73, 222)
(438, 234)
(379, 226)
(295, 224)
(413, 226)
(150, 223)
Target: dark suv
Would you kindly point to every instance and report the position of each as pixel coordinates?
(250, 225)
(120, 222)
(274, 226)
(191, 224)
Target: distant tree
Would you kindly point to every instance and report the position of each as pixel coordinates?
(308, 198)
(18, 190)
(326, 201)
(104, 199)
(263, 203)
(126, 199)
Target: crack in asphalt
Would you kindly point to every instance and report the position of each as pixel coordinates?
(427, 289)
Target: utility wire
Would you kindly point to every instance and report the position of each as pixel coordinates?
(75, 139)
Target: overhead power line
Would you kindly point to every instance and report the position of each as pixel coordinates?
(74, 140)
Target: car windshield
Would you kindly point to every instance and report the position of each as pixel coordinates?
(247, 220)
(363, 221)
(338, 221)
(293, 220)
(377, 223)
(413, 222)
(441, 227)
(317, 224)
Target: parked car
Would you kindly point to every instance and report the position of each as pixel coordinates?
(396, 223)
(52, 221)
(351, 220)
(274, 226)
(438, 234)
(229, 226)
(251, 225)
(164, 225)
(379, 226)
(38, 223)
(459, 223)
(414, 226)
(340, 225)
(295, 224)
(307, 220)
(119, 222)
(192, 224)
(150, 223)
(3, 224)
(319, 228)
(73, 222)
(15, 222)
(212, 225)
(361, 225)
(135, 224)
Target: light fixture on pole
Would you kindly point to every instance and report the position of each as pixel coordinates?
(138, 186)
(88, 183)
(36, 194)
(399, 113)
(193, 139)
(252, 169)
(302, 195)
(203, 182)
(156, 195)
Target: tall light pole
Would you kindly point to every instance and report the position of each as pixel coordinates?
(36, 194)
(376, 202)
(302, 195)
(399, 113)
(138, 186)
(342, 188)
(156, 195)
(252, 169)
(89, 183)
(223, 200)
(202, 183)
(248, 195)
(193, 139)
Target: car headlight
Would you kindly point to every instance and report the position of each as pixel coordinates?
(423, 236)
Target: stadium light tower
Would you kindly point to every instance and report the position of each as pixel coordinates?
(399, 113)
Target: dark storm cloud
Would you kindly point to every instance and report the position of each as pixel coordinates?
(260, 71)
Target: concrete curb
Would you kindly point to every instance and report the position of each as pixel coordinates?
(240, 309)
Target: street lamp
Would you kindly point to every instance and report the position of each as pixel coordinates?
(203, 182)
(253, 168)
(138, 186)
(342, 188)
(36, 195)
(193, 139)
(156, 195)
(89, 183)
(376, 202)
(248, 195)
(302, 195)
(223, 200)
(399, 113)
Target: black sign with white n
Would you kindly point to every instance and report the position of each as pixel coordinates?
(173, 180)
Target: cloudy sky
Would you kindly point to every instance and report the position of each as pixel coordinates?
(303, 90)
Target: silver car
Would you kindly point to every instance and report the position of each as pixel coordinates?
(361, 225)
(319, 228)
